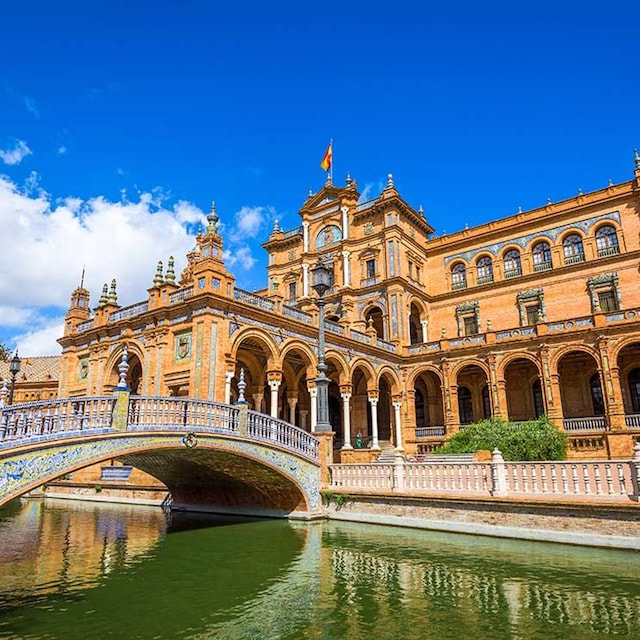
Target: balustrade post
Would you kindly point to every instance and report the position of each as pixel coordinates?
(498, 474)
(398, 472)
(120, 416)
(635, 470)
(243, 419)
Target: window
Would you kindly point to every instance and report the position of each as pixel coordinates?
(607, 241)
(512, 264)
(531, 307)
(371, 268)
(541, 256)
(293, 290)
(485, 270)
(634, 390)
(458, 276)
(421, 416)
(417, 273)
(465, 407)
(538, 400)
(607, 301)
(470, 326)
(596, 395)
(573, 249)
(486, 403)
(533, 311)
(604, 292)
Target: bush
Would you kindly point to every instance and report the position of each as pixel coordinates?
(532, 440)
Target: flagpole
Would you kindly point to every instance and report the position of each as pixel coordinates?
(331, 167)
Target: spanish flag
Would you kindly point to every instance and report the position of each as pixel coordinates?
(326, 160)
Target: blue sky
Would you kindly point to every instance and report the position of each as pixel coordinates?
(121, 121)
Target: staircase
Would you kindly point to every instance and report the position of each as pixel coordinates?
(387, 453)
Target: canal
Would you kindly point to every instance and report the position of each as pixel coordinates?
(73, 570)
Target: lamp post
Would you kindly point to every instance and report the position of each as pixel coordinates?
(14, 368)
(321, 278)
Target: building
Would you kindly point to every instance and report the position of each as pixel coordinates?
(536, 313)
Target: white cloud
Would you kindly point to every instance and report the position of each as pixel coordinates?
(62, 150)
(251, 221)
(31, 107)
(240, 257)
(16, 154)
(41, 339)
(51, 242)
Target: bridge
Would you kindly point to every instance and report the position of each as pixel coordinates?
(210, 455)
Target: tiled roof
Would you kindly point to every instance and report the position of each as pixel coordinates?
(34, 369)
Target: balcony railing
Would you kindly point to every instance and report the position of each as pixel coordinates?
(608, 251)
(430, 432)
(579, 257)
(592, 423)
(543, 266)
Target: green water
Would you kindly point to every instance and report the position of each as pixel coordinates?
(83, 570)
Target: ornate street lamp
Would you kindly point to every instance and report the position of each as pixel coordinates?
(14, 368)
(321, 278)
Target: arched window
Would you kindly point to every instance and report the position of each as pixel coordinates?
(486, 403)
(375, 319)
(634, 390)
(458, 276)
(421, 415)
(512, 264)
(538, 399)
(541, 256)
(596, 395)
(465, 406)
(607, 241)
(485, 270)
(573, 249)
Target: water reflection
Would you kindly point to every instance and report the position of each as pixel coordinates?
(77, 570)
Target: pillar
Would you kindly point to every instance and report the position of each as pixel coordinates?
(228, 377)
(425, 335)
(397, 418)
(346, 268)
(274, 385)
(373, 401)
(292, 402)
(313, 396)
(346, 418)
(305, 280)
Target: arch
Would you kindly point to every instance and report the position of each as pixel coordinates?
(388, 372)
(541, 254)
(458, 367)
(512, 260)
(135, 359)
(607, 243)
(416, 315)
(458, 275)
(330, 234)
(518, 355)
(295, 344)
(579, 393)
(375, 318)
(366, 366)
(418, 371)
(523, 388)
(484, 269)
(573, 247)
(557, 356)
(251, 333)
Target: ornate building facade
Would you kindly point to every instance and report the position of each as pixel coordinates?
(537, 313)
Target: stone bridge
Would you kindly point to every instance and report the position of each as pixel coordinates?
(210, 455)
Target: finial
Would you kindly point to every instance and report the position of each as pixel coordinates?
(82, 278)
(104, 298)
(158, 278)
(276, 228)
(548, 200)
(212, 217)
(610, 182)
(3, 392)
(113, 296)
(519, 209)
(389, 181)
(636, 158)
(171, 274)
(310, 192)
(123, 367)
(348, 181)
(579, 191)
(329, 180)
(242, 385)
(421, 210)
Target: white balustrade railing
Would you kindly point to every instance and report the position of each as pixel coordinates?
(34, 421)
(592, 423)
(154, 412)
(605, 480)
(632, 420)
(429, 432)
(50, 418)
(263, 427)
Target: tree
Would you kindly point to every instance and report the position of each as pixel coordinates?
(5, 353)
(532, 440)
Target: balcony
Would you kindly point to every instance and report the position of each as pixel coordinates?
(608, 251)
(543, 266)
(579, 257)
(485, 279)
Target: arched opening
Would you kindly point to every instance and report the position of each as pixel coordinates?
(523, 390)
(465, 405)
(375, 319)
(580, 386)
(475, 402)
(629, 372)
(415, 326)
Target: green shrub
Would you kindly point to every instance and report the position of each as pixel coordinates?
(532, 440)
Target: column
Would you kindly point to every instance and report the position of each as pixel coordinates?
(313, 396)
(425, 334)
(345, 222)
(292, 402)
(346, 268)
(305, 280)
(346, 418)
(305, 237)
(303, 418)
(228, 377)
(274, 385)
(373, 401)
(397, 405)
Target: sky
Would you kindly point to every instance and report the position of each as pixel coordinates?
(120, 123)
